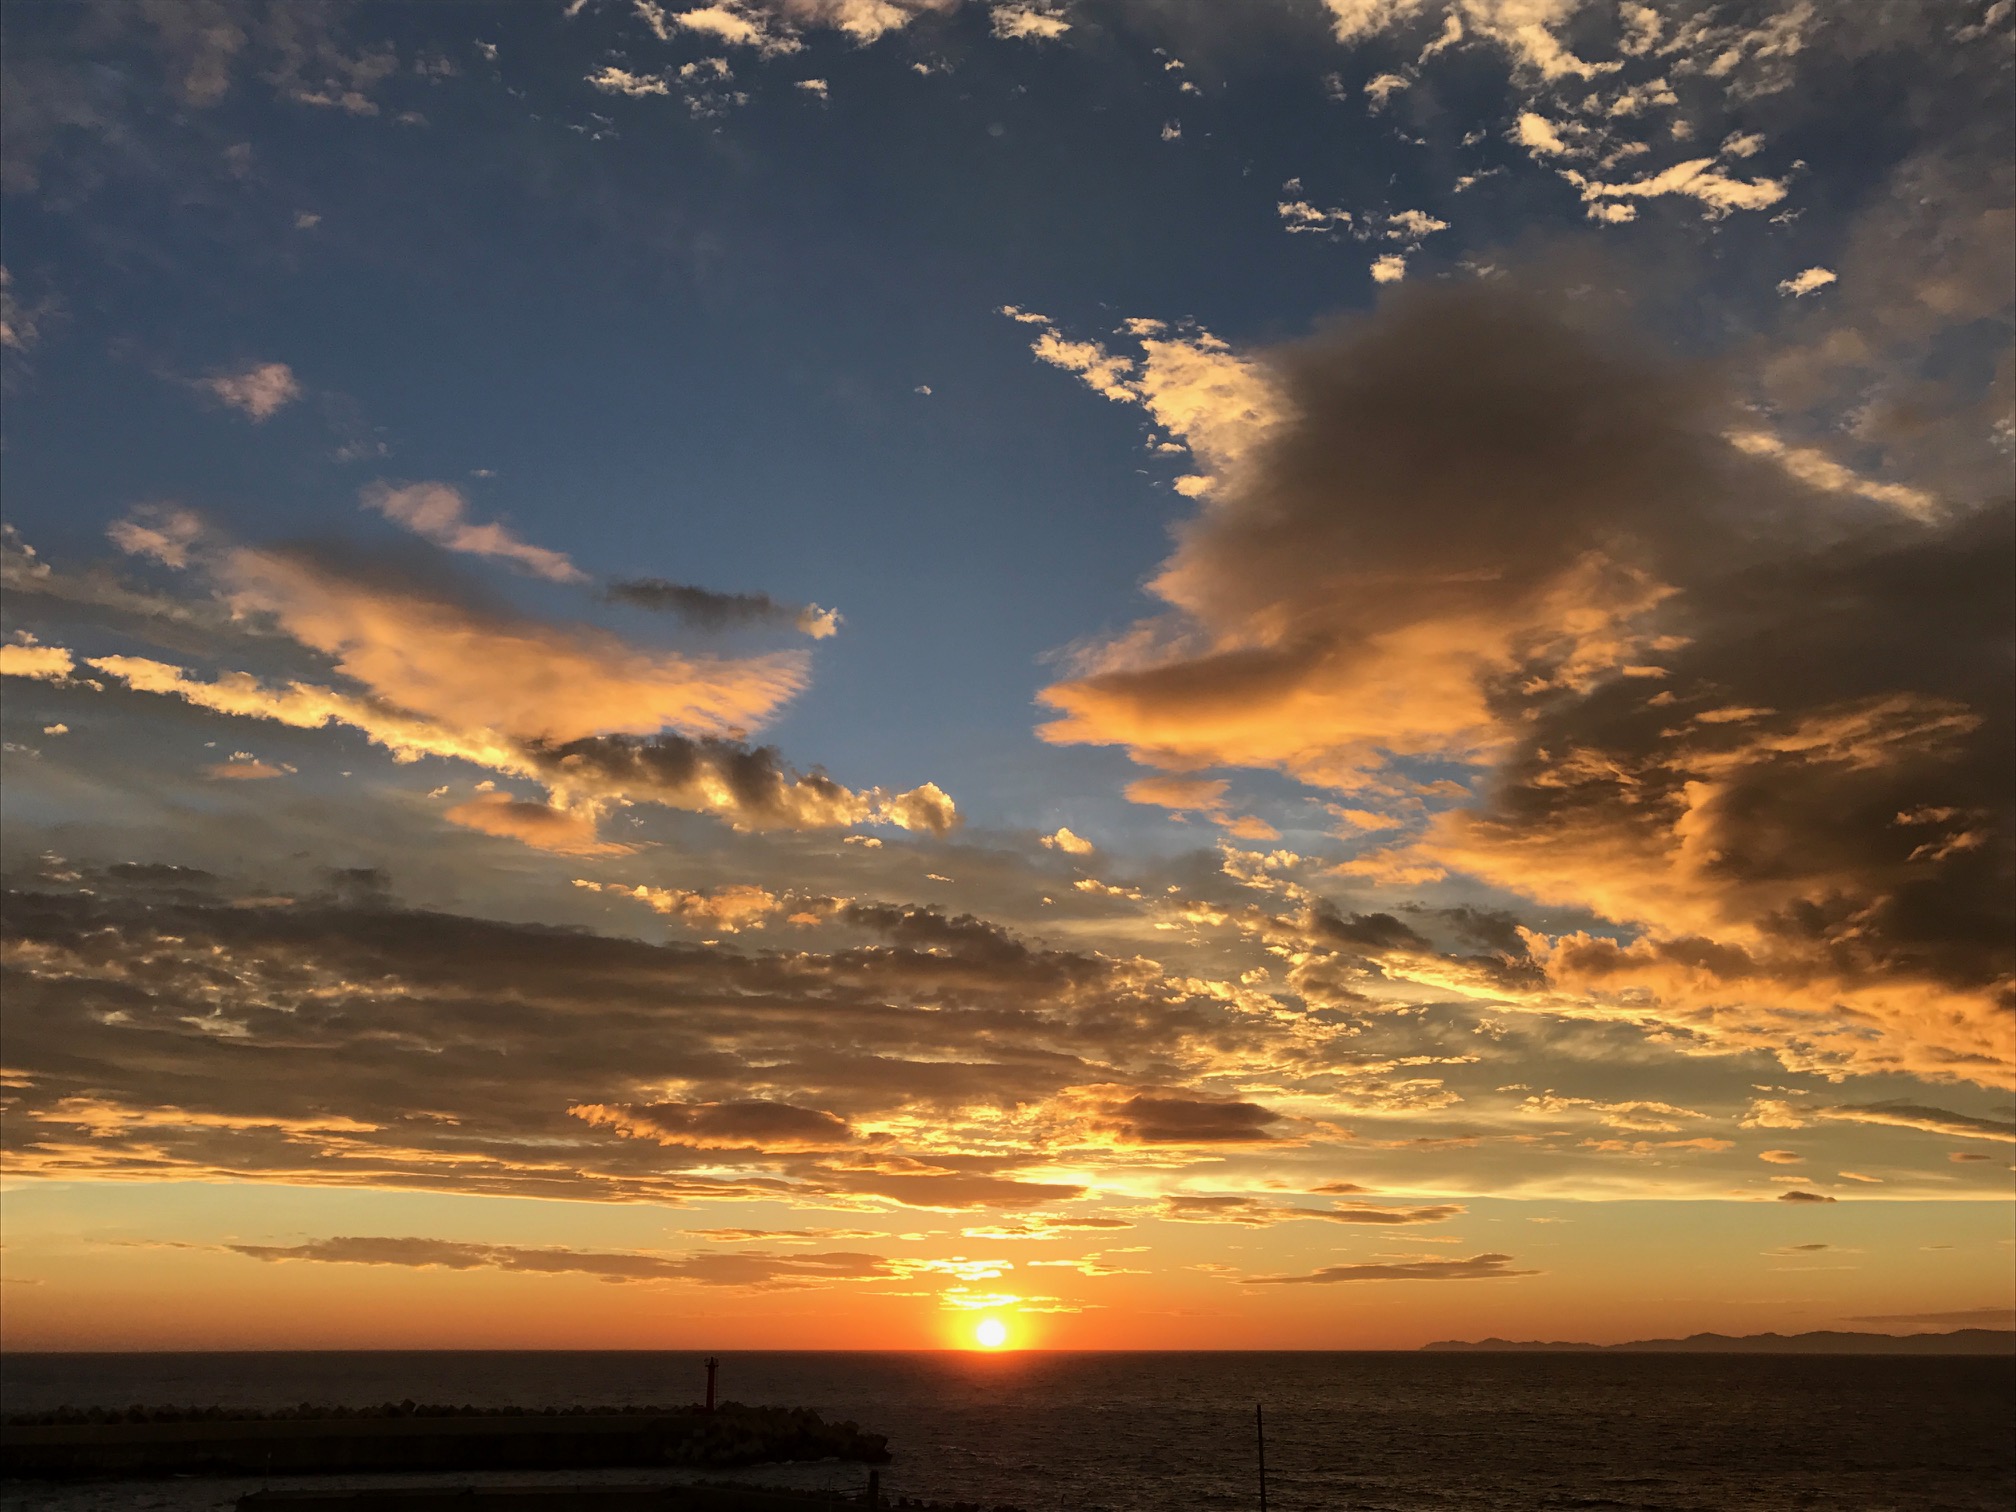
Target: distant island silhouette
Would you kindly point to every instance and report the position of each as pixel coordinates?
(1970, 1341)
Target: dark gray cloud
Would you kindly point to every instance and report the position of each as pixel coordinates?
(1966, 1317)
(705, 609)
(762, 791)
(805, 1235)
(1910, 1115)
(1254, 1212)
(1187, 1120)
(1366, 1212)
(1217, 1208)
(952, 1184)
(755, 1269)
(1476, 1268)
(1368, 933)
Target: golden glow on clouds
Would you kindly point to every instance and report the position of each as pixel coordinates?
(1313, 630)
(1591, 781)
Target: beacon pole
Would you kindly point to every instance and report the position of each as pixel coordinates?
(1260, 1437)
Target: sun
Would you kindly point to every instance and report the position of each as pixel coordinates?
(990, 1333)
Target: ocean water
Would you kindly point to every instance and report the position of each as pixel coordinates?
(1159, 1432)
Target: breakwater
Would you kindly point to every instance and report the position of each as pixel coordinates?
(541, 1499)
(407, 1437)
(700, 1497)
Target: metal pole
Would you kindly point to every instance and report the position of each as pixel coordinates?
(712, 1366)
(1260, 1434)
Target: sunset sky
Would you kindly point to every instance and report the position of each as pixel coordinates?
(791, 673)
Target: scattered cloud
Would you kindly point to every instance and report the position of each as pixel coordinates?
(1802, 284)
(260, 390)
(1381, 89)
(613, 80)
(1718, 193)
(1026, 21)
(163, 533)
(1300, 217)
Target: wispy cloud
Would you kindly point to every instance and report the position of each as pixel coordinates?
(439, 512)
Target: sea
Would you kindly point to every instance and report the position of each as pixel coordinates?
(1156, 1432)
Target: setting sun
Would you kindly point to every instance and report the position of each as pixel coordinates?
(990, 1333)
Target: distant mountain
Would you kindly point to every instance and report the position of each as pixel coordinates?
(1967, 1341)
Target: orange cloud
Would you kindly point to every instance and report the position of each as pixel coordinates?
(478, 670)
(729, 909)
(244, 769)
(43, 663)
(536, 824)
(1202, 794)
(1246, 827)
(1178, 793)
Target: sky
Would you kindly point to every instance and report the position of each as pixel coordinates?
(793, 673)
